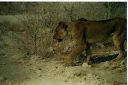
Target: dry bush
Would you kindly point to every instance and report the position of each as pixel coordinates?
(32, 35)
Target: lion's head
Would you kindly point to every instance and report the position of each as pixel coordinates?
(60, 31)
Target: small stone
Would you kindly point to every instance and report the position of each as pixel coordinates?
(39, 69)
(56, 67)
(65, 80)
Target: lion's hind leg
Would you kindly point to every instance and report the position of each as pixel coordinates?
(118, 40)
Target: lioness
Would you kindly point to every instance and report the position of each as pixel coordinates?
(87, 32)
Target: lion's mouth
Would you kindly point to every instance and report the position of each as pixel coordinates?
(59, 40)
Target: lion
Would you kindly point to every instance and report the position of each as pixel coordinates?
(86, 32)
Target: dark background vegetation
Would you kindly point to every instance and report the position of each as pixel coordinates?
(27, 28)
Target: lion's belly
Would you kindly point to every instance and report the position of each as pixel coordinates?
(96, 38)
(97, 34)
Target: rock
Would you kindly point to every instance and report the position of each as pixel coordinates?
(2, 78)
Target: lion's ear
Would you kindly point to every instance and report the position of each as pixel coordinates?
(63, 24)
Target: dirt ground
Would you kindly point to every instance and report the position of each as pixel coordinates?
(16, 70)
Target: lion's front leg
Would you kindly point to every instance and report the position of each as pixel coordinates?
(76, 51)
(88, 54)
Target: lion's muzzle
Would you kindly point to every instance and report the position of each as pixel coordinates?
(56, 38)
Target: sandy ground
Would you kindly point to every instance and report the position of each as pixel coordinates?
(19, 71)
